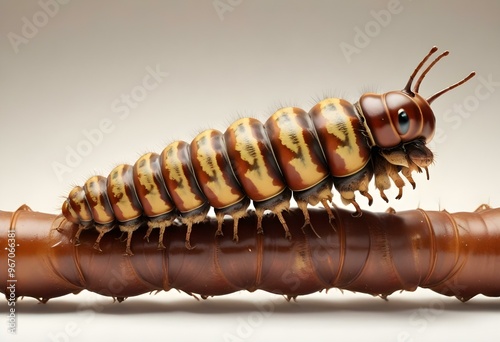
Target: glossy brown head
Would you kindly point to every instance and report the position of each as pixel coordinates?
(398, 117)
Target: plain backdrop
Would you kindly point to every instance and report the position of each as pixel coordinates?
(86, 85)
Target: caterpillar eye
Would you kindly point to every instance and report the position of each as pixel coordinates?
(403, 121)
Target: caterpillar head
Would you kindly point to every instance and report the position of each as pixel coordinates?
(398, 117)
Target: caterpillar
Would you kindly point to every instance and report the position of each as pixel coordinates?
(336, 143)
(378, 253)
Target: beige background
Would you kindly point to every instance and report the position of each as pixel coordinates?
(68, 74)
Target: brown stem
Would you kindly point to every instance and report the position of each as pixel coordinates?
(377, 253)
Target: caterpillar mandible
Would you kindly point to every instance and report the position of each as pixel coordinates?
(336, 144)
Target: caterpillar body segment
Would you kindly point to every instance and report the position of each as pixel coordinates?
(152, 193)
(215, 176)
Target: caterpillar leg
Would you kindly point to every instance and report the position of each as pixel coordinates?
(413, 167)
(407, 173)
(348, 197)
(188, 235)
(359, 181)
(236, 211)
(81, 228)
(236, 216)
(384, 172)
(260, 214)
(365, 193)
(398, 181)
(307, 220)
(278, 212)
(277, 205)
(394, 160)
(235, 228)
(285, 206)
(420, 155)
(320, 193)
(220, 219)
(102, 229)
(161, 225)
(412, 157)
(129, 229)
(331, 218)
(195, 216)
(382, 181)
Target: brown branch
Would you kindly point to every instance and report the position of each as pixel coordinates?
(377, 253)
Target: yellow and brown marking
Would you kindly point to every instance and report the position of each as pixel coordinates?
(291, 133)
(77, 204)
(69, 213)
(252, 159)
(213, 170)
(76, 210)
(150, 187)
(102, 213)
(182, 185)
(152, 192)
(179, 178)
(122, 195)
(97, 198)
(340, 133)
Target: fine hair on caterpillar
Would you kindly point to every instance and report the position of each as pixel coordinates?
(294, 153)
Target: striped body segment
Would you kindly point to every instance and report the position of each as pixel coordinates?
(216, 178)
